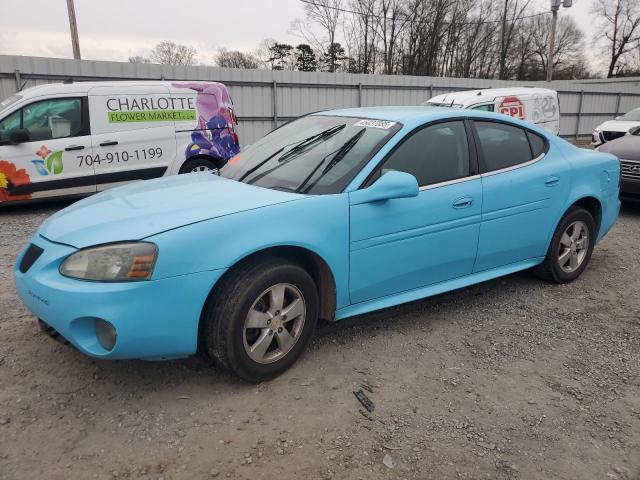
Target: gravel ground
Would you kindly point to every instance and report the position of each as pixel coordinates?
(510, 379)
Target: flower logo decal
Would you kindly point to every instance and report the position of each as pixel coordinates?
(54, 161)
(11, 177)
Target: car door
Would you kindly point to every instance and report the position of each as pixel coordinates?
(524, 183)
(133, 133)
(403, 244)
(47, 160)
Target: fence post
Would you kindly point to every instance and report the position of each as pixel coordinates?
(360, 94)
(579, 114)
(18, 77)
(274, 99)
(431, 90)
(618, 104)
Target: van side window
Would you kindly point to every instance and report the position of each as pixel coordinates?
(434, 154)
(8, 125)
(538, 144)
(502, 145)
(54, 118)
(488, 107)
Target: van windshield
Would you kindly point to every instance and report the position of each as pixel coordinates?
(7, 102)
(315, 154)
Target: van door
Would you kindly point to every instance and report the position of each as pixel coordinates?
(42, 149)
(133, 133)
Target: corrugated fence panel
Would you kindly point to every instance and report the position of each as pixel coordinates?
(583, 103)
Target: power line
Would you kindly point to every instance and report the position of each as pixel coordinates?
(408, 18)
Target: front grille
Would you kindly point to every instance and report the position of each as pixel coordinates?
(30, 256)
(608, 136)
(630, 169)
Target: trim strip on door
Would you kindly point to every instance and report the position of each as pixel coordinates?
(128, 175)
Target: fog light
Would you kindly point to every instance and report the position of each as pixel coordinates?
(106, 334)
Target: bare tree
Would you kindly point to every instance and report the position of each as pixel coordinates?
(326, 13)
(568, 45)
(235, 59)
(139, 59)
(171, 53)
(621, 22)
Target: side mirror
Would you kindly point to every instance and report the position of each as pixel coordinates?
(19, 135)
(389, 186)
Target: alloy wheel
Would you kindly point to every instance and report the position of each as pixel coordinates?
(274, 323)
(573, 247)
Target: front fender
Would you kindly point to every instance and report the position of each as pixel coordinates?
(317, 223)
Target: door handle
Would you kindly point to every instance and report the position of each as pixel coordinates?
(463, 202)
(108, 143)
(551, 181)
(74, 147)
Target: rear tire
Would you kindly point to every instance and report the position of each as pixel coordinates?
(570, 249)
(199, 164)
(260, 318)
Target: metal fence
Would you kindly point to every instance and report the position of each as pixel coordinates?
(265, 99)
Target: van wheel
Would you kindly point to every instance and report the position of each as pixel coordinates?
(200, 165)
(261, 318)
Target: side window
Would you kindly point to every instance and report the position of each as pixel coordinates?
(55, 118)
(488, 107)
(538, 144)
(434, 154)
(8, 125)
(502, 145)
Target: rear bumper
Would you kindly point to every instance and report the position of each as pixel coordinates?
(155, 319)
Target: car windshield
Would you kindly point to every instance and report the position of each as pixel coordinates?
(7, 102)
(633, 115)
(316, 154)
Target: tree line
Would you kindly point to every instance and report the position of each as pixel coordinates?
(504, 39)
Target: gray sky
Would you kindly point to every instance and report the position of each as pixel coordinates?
(117, 29)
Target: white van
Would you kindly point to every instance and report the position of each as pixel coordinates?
(539, 106)
(79, 138)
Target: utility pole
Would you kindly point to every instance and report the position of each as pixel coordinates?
(75, 43)
(555, 6)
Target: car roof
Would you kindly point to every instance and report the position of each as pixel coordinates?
(483, 94)
(413, 115)
(85, 87)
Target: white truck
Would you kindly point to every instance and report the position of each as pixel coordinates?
(79, 138)
(539, 106)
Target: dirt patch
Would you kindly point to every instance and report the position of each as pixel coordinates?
(510, 379)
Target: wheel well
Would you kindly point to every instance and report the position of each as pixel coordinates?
(310, 261)
(218, 161)
(593, 206)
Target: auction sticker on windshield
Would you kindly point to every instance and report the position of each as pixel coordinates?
(375, 124)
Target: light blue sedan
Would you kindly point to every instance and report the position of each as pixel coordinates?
(335, 214)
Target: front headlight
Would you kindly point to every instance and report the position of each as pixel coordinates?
(117, 262)
(596, 130)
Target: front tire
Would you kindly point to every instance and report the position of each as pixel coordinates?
(571, 247)
(199, 164)
(260, 318)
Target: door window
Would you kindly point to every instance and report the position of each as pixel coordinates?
(538, 144)
(434, 154)
(502, 145)
(55, 118)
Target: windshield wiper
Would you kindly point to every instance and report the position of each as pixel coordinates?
(301, 147)
(338, 155)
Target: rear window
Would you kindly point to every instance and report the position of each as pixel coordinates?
(503, 145)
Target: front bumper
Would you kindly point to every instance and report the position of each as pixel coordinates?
(630, 188)
(156, 319)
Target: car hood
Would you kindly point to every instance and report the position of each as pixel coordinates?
(145, 208)
(627, 147)
(618, 125)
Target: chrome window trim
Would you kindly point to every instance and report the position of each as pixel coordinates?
(515, 167)
(448, 182)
